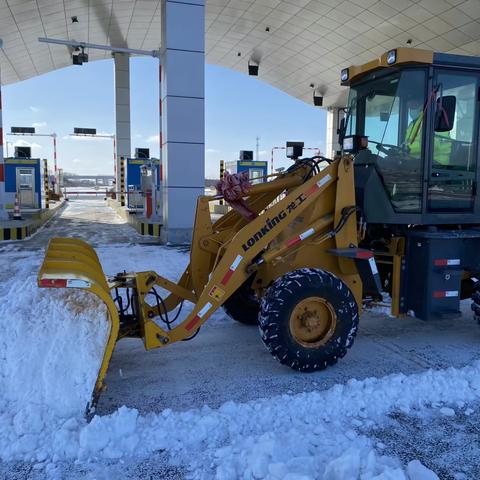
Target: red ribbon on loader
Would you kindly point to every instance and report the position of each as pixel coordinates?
(234, 187)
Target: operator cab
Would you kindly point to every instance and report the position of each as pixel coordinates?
(412, 124)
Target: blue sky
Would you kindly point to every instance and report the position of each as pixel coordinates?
(238, 108)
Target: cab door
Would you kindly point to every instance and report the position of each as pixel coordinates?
(453, 166)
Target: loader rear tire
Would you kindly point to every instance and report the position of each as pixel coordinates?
(243, 306)
(308, 319)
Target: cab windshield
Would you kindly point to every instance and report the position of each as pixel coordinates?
(389, 111)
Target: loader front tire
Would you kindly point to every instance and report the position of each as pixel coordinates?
(308, 319)
(243, 306)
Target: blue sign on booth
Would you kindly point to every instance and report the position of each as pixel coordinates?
(256, 169)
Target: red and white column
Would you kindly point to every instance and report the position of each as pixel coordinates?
(55, 174)
(334, 115)
(122, 110)
(3, 211)
(115, 163)
(158, 183)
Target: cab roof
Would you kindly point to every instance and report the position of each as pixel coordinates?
(403, 56)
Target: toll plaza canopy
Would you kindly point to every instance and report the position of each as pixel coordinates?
(300, 45)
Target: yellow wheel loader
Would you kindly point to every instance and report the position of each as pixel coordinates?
(395, 211)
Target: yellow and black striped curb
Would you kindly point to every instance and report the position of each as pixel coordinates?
(25, 231)
(122, 181)
(15, 233)
(152, 229)
(45, 184)
(143, 228)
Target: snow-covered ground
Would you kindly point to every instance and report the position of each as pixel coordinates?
(220, 406)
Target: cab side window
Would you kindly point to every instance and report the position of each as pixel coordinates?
(453, 159)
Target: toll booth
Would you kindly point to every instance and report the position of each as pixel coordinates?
(151, 188)
(23, 176)
(133, 172)
(134, 183)
(256, 169)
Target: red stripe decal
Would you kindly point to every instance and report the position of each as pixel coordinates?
(440, 262)
(293, 241)
(312, 189)
(53, 283)
(192, 322)
(2, 176)
(227, 277)
(365, 255)
(1, 136)
(439, 294)
(160, 106)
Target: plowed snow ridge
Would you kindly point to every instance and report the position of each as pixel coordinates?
(46, 377)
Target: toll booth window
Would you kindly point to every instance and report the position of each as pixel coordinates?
(256, 175)
(393, 122)
(26, 178)
(453, 168)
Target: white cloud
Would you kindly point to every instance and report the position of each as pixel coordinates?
(34, 109)
(76, 160)
(39, 124)
(153, 139)
(212, 150)
(23, 143)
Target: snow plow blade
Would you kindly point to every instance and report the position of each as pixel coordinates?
(73, 263)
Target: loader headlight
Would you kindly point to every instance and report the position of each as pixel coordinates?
(391, 57)
(348, 144)
(354, 143)
(344, 75)
(294, 150)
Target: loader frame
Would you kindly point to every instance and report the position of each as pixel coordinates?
(304, 219)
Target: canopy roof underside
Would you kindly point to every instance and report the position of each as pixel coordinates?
(298, 43)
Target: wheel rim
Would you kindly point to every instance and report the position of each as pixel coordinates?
(313, 322)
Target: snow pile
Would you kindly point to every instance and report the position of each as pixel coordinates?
(310, 435)
(50, 349)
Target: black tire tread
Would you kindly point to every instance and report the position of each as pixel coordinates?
(272, 311)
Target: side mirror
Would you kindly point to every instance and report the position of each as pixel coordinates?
(445, 113)
(341, 131)
(384, 116)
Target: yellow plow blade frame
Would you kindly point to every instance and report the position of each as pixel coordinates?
(73, 263)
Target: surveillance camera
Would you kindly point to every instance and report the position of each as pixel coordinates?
(252, 69)
(317, 99)
(77, 59)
